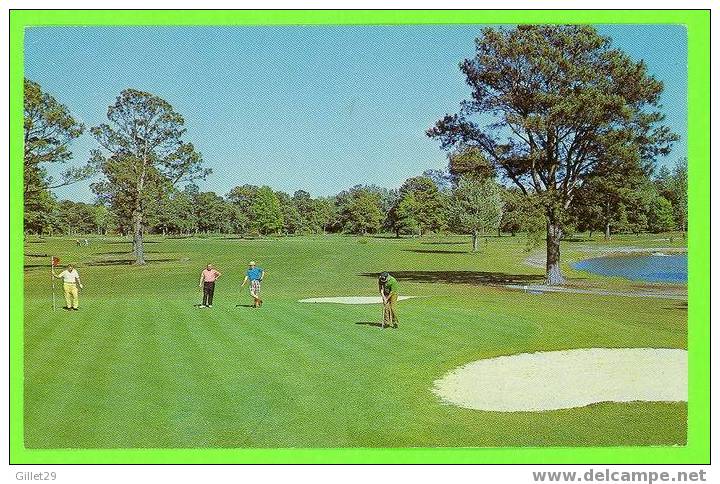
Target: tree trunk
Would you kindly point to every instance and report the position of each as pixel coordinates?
(138, 237)
(607, 221)
(553, 275)
(475, 241)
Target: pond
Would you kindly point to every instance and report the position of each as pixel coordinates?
(639, 267)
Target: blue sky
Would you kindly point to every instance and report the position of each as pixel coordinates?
(317, 108)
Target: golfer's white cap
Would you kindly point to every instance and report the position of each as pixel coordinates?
(252, 263)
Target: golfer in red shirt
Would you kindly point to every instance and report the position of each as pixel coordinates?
(207, 282)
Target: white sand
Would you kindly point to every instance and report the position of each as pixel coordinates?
(350, 299)
(567, 379)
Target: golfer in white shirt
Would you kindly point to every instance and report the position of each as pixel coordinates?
(71, 284)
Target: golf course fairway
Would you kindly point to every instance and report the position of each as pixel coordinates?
(140, 366)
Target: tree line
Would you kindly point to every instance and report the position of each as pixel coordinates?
(561, 133)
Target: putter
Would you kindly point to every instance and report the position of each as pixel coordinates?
(382, 325)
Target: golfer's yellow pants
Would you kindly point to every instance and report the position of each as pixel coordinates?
(71, 295)
(389, 313)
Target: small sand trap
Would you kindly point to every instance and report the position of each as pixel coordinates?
(565, 379)
(350, 299)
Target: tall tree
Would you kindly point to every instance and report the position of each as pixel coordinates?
(144, 154)
(562, 104)
(360, 210)
(267, 217)
(672, 185)
(476, 207)
(49, 128)
(420, 206)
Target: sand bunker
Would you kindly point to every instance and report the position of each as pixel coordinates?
(350, 299)
(566, 379)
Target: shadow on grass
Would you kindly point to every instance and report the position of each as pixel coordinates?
(127, 262)
(244, 306)
(37, 255)
(680, 306)
(377, 325)
(449, 242)
(129, 241)
(462, 277)
(36, 266)
(436, 251)
(124, 252)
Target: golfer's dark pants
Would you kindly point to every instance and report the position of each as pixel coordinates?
(208, 291)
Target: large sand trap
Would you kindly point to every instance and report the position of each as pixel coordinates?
(566, 379)
(350, 299)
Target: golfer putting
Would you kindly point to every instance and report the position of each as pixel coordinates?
(207, 282)
(388, 286)
(255, 275)
(71, 286)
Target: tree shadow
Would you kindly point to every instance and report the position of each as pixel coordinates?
(478, 278)
(129, 242)
(35, 266)
(126, 262)
(451, 242)
(436, 251)
(680, 306)
(124, 252)
(386, 237)
(244, 306)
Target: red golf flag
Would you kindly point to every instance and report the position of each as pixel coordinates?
(55, 261)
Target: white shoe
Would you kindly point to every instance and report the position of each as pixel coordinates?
(210, 306)
(202, 306)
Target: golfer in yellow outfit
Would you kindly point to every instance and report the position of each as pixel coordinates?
(71, 284)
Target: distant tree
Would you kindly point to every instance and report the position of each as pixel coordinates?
(183, 219)
(76, 218)
(420, 206)
(236, 221)
(323, 214)
(243, 197)
(102, 218)
(49, 128)
(146, 155)
(476, 207)
(293, 221)
(560, 105)
(210, 212)
(513, 202)
(360, 210)
(660, 215)
(602, 202)
(672, 185)
(266, 212)
(40, 215)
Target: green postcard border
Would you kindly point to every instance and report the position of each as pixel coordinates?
(697, 450)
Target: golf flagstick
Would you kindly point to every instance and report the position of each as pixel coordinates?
(53, 261)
